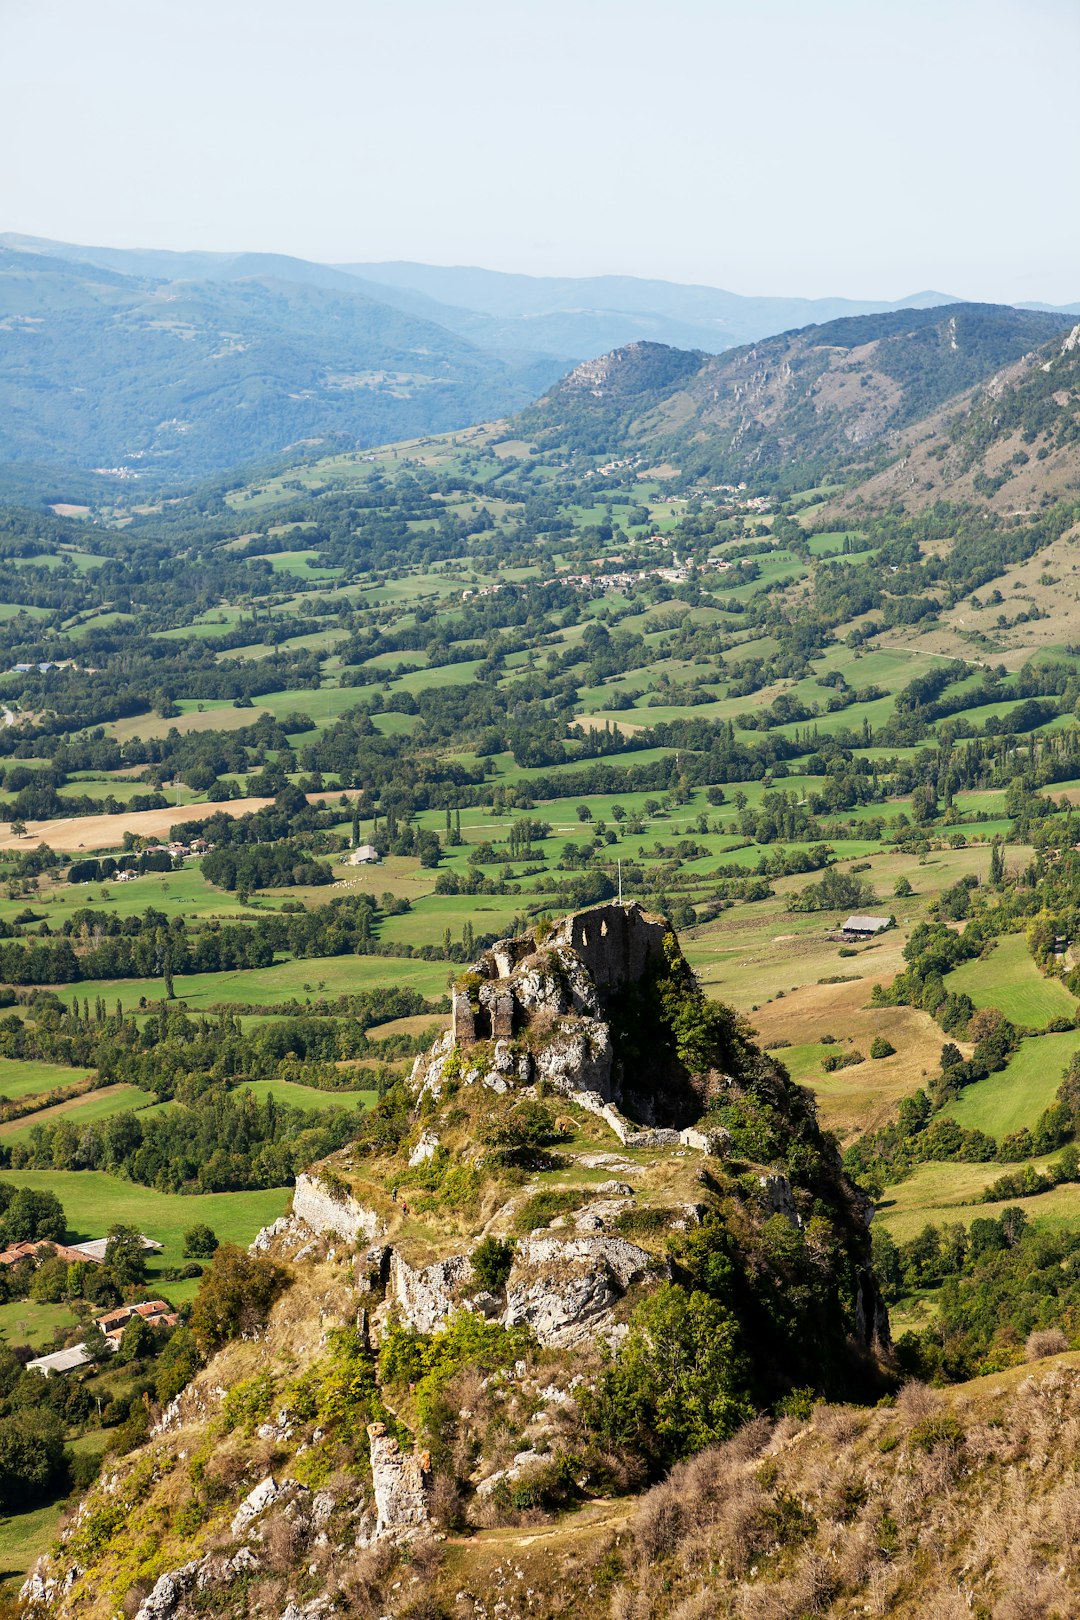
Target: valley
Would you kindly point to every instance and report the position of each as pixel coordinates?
(285, 754)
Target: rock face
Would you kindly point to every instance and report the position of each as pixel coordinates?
(563, 1287)
(565, 1290)
(531, 1013)
(327, 1209)
(425, 1297)
(400, 1481)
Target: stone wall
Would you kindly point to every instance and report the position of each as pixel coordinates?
(326, 1211)
(618, 944)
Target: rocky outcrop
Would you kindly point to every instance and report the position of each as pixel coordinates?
(170, 1590)
(425, 1149)
(563, 1285)
(780, 1198)
(258, 1500)
(426, 1297)
(324, 1207)
(566, 1289)
(400, 1481)
(544, 1009)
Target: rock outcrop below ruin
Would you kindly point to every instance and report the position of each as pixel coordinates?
(329, 1208)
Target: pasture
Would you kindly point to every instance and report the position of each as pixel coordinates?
(1006, 977)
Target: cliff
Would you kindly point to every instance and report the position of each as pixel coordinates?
(598, 1230)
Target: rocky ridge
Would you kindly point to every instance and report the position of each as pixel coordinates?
(589, 1131)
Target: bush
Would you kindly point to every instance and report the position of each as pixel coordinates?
(32, 1459)
(679, 1381)
(1044, 1342)
(200, 1242)
(841, 1060)
(234, 1296)
(881, 1048)
(492, 1260)
(545, 1206)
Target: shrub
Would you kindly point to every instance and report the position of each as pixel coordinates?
(491, 1261)
(881, 1048)
(31, 1456)
(543, 1207)
(938, 1429)
(234, 1296)
(200, 1241)
(520, 1135)
(1045, 1342)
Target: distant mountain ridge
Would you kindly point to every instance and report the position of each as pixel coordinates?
(579, 314)
(821, 395)
(186, 376)
(179, 364)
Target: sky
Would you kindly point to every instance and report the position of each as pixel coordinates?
(860, 148)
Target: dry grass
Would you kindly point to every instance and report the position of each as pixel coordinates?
(865, 1096)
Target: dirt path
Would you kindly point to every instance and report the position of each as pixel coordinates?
(592, 1517)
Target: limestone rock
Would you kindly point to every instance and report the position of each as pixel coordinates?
(324, 1209)
(256, 1502)
(600, 1215)
(169, 1591)
(780, 1198)
(566, 1290)
(523, 1461)
(577, 1058)
(426, 1297)
(400, 1481)
(425, 1149)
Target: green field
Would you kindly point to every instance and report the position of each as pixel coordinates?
(94, 1201)
(25, 1077)
(307, 1097)
(1007, 978)
(306, 979)
(95, 1105)
(1016, 1095)
(943, 1194)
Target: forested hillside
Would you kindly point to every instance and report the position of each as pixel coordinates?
(170, 379)
(803, 402)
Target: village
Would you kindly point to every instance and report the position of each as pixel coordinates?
(32, 1253)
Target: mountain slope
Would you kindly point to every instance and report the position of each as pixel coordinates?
(583, 315)
(819, 396)
(1012, 443)
(182, 377)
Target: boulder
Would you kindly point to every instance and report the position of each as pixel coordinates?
(424, 1149)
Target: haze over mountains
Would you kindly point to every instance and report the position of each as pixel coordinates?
(176, 365)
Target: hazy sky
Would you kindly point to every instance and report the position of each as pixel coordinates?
(861, 147)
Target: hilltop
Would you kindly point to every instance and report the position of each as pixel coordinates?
(593, 1185)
